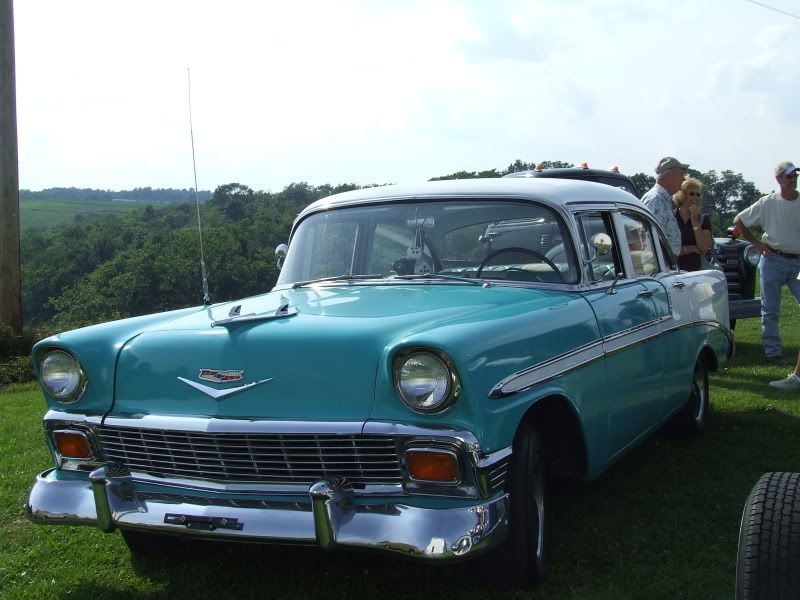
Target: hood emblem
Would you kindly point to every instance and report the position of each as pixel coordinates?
(219, 394)
(218, 376)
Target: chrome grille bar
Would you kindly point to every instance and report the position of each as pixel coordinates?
(269, 457)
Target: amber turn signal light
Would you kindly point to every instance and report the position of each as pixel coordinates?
(432, 465)
(72, 444)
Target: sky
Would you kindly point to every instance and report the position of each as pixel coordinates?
(398, 92)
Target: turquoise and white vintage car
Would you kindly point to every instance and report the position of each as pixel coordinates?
(430, 356)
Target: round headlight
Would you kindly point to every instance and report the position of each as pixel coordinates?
(61, 376)
(425, 382)
(751, 255)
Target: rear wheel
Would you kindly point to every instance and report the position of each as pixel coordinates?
(694, 417)
(520, 561)
(768, 556)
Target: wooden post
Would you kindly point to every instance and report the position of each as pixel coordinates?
(10, 279)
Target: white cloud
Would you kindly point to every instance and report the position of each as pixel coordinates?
(375, 91)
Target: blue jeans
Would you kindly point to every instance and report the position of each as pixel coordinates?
(776, 271)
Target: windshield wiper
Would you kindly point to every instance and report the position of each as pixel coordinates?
(298, 284)
(480, 282)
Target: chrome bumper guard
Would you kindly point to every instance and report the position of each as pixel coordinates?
(329, 519)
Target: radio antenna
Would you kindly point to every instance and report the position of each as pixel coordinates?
(206, 297)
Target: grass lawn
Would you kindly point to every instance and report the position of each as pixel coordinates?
(663, 523)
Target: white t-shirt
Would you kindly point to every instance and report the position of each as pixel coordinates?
(780, 220)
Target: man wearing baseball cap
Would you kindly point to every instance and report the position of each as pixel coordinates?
(669, 176)
(778, 214)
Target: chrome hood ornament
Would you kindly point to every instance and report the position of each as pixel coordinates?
(222, 377)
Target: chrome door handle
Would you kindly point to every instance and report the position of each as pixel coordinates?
(679, 284)
(645, 294)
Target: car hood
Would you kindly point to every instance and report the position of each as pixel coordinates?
(318, 358)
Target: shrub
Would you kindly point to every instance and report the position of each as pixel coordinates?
(17, 369)
(15, 344)
(15, 351)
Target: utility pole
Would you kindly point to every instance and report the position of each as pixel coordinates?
(10, 279)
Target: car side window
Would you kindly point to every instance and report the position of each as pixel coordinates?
(640, 242)
(604, 265)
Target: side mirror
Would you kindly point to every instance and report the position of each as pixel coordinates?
(602, 243)
(280, 254)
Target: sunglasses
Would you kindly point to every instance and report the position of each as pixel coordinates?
(698, 194)
(791, 176)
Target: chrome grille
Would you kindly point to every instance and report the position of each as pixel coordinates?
(253, 457)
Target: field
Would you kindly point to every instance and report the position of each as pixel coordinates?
(41, 214)
(662, 523)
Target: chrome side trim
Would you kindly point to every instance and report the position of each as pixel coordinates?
(527, 378)
(632, 337)
(565, 363)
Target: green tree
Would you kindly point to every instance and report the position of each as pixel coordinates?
(643, 181)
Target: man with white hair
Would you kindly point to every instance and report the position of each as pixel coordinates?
(669, 176)
(778, 214)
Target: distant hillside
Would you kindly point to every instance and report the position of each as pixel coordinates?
(43, 214)
(145, 194)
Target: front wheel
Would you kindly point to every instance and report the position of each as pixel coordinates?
(768, 555)
(520, 561)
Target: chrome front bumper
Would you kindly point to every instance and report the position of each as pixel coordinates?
(328, 518)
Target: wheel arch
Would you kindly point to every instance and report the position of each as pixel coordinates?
(708, 358)
(554, 416)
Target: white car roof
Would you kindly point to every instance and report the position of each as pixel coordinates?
(556, 192)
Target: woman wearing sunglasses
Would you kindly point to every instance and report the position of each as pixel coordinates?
(695, 228)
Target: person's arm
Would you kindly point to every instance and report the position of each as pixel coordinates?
(702, 236)
(750, 236)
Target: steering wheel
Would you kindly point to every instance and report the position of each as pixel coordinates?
(533, 253)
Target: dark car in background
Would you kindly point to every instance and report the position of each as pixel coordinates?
(584, 173)
(738, 259)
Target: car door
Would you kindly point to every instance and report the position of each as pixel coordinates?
(626, 314)
(676, 311)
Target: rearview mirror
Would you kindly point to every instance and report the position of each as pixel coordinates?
(280, 254)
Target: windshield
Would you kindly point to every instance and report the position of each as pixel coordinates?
(512, 241)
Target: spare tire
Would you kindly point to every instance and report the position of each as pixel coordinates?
(768, 556)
